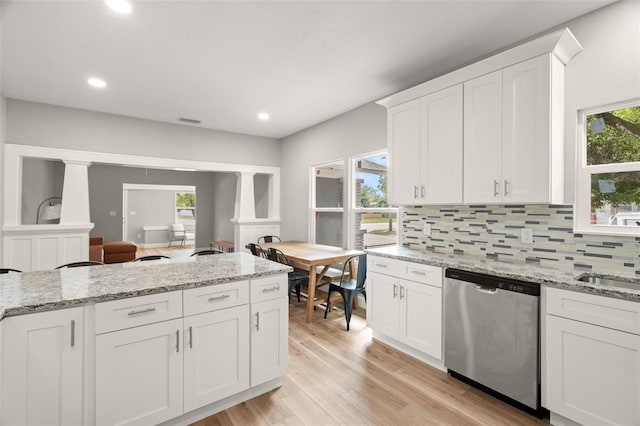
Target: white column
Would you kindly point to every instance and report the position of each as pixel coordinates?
(75, 193)
(245, 208)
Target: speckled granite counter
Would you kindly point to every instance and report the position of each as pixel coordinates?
(45, 290)
(533, 273)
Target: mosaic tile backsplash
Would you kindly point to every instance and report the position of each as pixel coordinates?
(494, 232)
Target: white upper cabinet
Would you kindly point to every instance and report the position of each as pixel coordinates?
(425, 146)
(511, 150)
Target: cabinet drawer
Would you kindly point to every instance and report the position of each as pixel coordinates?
(214, 297)
(268, 288)
(605, 311)
(383, 265)
(136, 311)
(425, 274)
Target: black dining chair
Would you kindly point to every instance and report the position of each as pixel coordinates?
(80, 264)
(206, 252)
(150, 257)
(268, 239)
(7, 270)
(256, 250)
(349, 287)
(296, 279)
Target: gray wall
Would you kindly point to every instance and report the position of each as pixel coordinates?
(30, 123)
(105, 194)
(358, 131)
(151, 207)
(41, 179)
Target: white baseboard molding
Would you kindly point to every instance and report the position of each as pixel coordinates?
(216, 407)
(435, 363)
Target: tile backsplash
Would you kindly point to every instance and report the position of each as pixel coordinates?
(494, 232)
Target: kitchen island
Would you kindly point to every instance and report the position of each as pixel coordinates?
(142, 342)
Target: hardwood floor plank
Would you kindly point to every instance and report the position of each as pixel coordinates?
(337, 377)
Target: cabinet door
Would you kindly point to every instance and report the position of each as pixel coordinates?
(593, 373)
(421, 317)
(139, 374)
(42, 368)
(483, 139)
(211, 374)
(526, 131)
(441, 148)
(269, 340)
(383, 305)
(404, 153)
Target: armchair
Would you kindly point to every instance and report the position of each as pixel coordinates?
(179, 233)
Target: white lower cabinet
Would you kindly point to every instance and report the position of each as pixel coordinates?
(210, 373)
(42, 368)
(269, 339)
(592, 371)
(139, 374)
(406, 310)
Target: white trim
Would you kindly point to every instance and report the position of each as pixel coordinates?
(145, 187)
(582, 209)
(312, 199)
(562, 44)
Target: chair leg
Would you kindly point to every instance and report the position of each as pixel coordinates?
(298, 292)
(348, 306)
(328, 303)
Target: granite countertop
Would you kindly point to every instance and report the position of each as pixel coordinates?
(526, 272)
(44, 290)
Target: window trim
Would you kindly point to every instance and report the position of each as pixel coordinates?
(582, 213)
(312, 199)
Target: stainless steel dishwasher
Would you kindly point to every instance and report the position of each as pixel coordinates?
(491, 334)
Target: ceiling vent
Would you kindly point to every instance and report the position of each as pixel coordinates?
(189, 120)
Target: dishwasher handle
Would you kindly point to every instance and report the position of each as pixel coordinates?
(486, 290)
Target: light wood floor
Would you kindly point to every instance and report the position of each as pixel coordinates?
(174, 251)
(339, 377)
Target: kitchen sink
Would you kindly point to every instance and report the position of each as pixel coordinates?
(610, 281)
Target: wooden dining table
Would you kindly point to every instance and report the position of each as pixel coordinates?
(314, 256)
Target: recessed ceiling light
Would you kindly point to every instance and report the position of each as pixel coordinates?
(97, 82)
(263, 116)
(120, 6)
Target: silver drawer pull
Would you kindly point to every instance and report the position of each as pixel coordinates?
(73, 333)
(142, 311)
(418, 272)
(270, 289)
(382, 265)
(224, 296)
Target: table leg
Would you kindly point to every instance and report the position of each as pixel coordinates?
(312, 293)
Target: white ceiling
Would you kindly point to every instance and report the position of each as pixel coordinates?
(223, 62)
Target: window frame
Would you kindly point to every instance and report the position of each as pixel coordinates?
(177, 218)
(582, 213)
(312, 198)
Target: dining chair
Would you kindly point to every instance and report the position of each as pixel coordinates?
(206, 252)
(349, 287)
(150, 257)
(7, 270)
(256, 250)
(80, 264)
(268, 239)
(296, 279)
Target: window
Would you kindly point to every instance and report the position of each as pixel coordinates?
(608, 196)
(327, 203)
(375, 223)
(185, 207)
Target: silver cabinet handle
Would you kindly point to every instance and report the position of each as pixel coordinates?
(382, 265)
(268, 290)
(506, 187)
(395, 290)
(213, 299)
(422, 191)
(177, 340)
(422, 273)
(415, 191)
(401, 292)
(190, 337)
(495, 187)
(257, 321)
(142, 311)
(73, 333)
